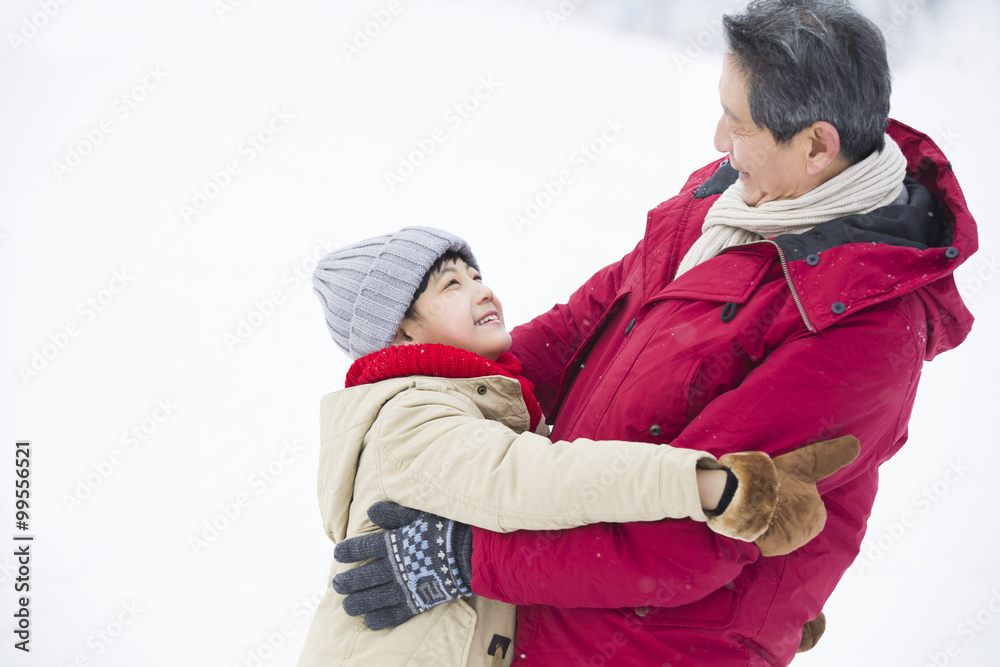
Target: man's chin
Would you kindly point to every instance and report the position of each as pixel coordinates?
(751, 194)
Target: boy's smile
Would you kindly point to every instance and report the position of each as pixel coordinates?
(492, 317)
(457, 309)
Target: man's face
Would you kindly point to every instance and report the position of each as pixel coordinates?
(769, 171)
(457, 309)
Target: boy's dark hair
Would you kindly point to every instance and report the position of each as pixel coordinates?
(448, 256)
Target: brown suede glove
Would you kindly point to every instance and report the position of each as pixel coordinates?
(753, 504)
(776, 503)
(811, 632)
(800, 514)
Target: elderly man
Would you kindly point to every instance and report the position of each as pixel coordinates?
(789, 293)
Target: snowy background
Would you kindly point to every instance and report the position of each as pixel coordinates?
(170, 173)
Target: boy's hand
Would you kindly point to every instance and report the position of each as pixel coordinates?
(421, 561)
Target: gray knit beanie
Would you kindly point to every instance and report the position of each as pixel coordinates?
(365, 288)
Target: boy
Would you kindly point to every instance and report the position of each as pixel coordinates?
(436, 417)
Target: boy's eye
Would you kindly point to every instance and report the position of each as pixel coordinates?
(452, 282)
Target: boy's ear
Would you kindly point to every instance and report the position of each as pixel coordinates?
(402, 336)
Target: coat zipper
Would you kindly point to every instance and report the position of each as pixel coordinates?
(788, 277)
(791, 287)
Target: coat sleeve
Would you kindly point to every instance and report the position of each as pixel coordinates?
(857, 378)
(546, 344)
(436, 454)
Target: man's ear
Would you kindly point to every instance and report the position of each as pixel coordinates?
(821, 145)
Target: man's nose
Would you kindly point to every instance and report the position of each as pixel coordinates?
(723, 143)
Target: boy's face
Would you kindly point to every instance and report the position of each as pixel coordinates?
(457, 309)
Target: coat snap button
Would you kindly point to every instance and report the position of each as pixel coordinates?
(951, 253)
(641, 611)
(481, 390)
(655, 430)
(838, 308)
(628, 329)
(812, 260)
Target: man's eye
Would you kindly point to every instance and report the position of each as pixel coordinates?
(452, 282)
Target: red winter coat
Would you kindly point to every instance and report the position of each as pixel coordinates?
(768, 346)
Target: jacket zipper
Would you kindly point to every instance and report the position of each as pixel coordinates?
(788, 278)
(791, 287)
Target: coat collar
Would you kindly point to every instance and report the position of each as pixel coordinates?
(851, 262)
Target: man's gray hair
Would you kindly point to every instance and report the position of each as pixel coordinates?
(811, 60)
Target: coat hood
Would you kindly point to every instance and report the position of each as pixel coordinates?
(858, 261)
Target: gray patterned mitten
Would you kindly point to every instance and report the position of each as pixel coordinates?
(421, 561)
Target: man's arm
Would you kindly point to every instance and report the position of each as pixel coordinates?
(546, 344)
(856, 378)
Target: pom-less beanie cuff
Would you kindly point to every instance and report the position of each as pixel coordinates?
(366, 288)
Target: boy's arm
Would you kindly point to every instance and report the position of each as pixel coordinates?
(437, 454)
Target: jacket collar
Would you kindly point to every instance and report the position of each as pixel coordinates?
(860, 260)
(441, 361)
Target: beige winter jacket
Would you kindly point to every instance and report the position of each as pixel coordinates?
(460, 448)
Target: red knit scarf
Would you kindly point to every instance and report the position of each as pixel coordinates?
(441, 361)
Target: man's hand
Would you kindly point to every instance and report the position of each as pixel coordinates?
(811, 632)
(775, 502)
(800, 514)
(421, 561)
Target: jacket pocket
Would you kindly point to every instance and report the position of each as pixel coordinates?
(697, 394)
(448, 639)
(714, 375)
(440, 636)
(715, 611)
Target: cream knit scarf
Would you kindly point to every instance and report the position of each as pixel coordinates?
(874, 182)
